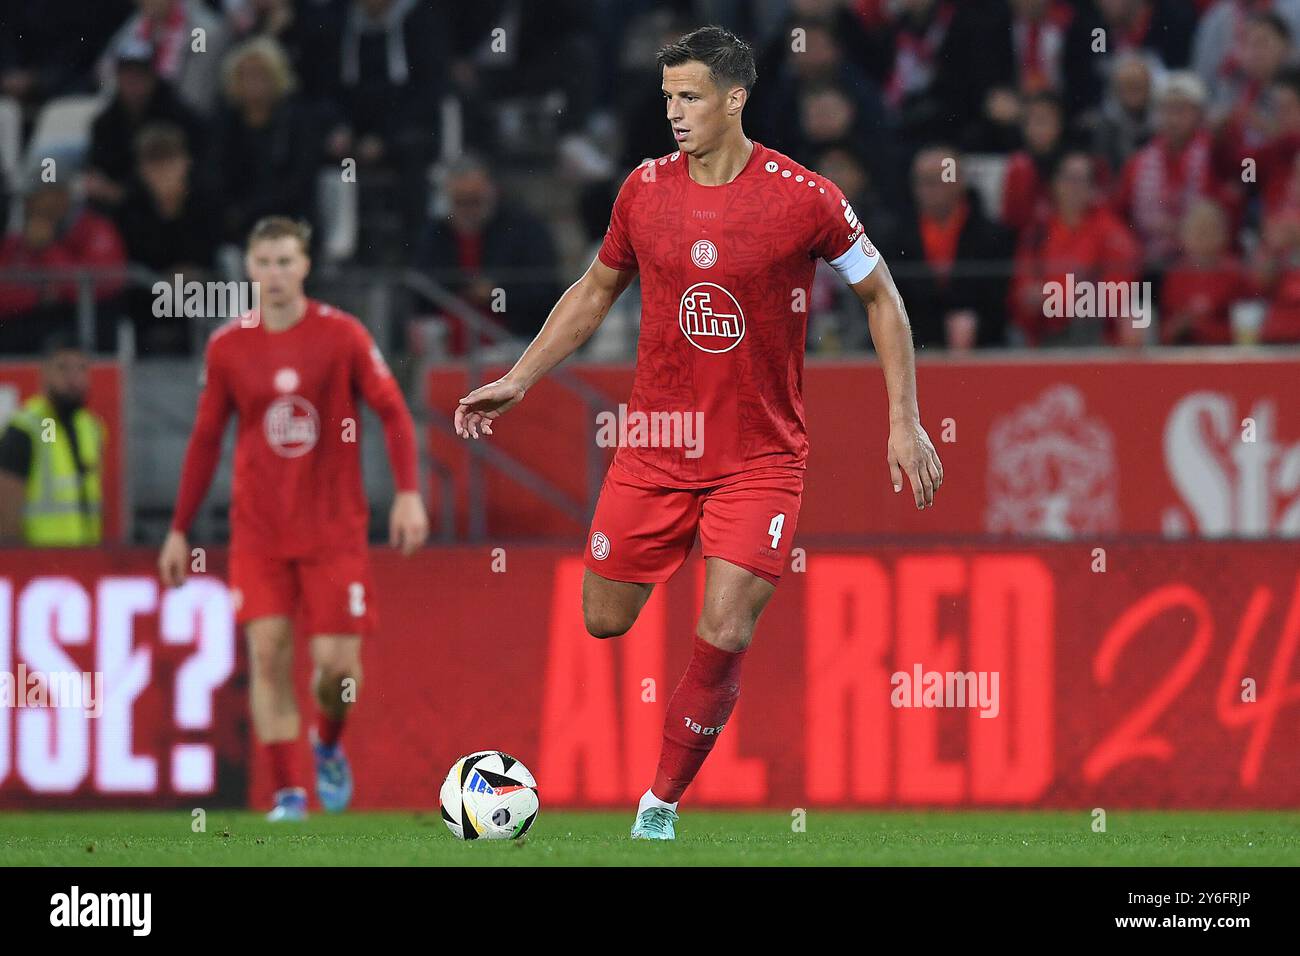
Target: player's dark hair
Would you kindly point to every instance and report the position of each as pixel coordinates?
(278, 227)
(729, 58)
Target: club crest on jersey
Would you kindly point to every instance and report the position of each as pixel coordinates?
(711, 318)
(286, 380)
(704, 253)
(291, 426)
(599, 546)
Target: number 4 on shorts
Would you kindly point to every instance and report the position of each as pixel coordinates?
(774, 529)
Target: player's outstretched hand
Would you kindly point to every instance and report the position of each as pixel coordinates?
(911, 453)
(477, 409)
(408, 525)
(173, 558)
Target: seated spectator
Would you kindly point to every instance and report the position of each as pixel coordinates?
(267, 143)
(1038, 32)
(1235, 109)
(1080, 240)
(309, 31)
(948, 259)
(169, 25)
(1027, 40)
(49, 50)
(1024, 191)
(389, 93)
(502, 263)
(139, 98)
(170, 226)
(834, 312)
(939, 71)
(553, 53)
(1273, 161)
(1163, 28)
(57, 234)
(1126, 120)
(1217, 50)
(1277, 272)
(1199, 290)
(1166, 176)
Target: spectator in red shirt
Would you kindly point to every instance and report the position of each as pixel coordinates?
(1277, 269)
(1166, 176)
(1079, 240)
(56, 234)
(1277, 157)
(1199, 290)
(1025, 193)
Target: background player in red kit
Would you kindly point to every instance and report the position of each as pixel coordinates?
(292, 371)
(725, 234)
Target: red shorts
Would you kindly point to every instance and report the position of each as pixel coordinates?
(642, 532)
(332, 591)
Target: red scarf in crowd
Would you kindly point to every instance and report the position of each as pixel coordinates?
(915, 56)
(168, 37)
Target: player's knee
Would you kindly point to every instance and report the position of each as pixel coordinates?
(607, 623)
(729, 632)
(337, 674)
(269, 660)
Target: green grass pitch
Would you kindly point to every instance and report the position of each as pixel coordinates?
(705, 838)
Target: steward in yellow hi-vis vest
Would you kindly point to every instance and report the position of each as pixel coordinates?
(64, 502)
(53, 453)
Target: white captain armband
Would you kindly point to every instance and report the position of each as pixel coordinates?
(856, 264)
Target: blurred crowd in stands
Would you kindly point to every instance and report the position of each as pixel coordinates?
(990, 147)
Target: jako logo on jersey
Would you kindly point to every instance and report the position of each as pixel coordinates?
(599, 546)
(696, 728)
(291, 426)
(704, 253)
(711, 318)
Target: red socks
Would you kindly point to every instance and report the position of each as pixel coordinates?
(697, 711)
(284, 764)
(329, 729)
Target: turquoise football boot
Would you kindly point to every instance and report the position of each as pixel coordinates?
(655, 823)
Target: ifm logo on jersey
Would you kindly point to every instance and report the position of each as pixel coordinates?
(651, 430)
(710, 317)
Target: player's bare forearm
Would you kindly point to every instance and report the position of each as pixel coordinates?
(891, 332)
(910, 453)
(576, 316)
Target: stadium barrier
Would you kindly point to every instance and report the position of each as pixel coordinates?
(1173, 443)
(1059, 674)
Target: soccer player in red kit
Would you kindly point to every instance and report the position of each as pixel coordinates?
(725, 234)
(292, 371)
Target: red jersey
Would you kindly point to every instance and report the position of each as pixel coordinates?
(726, 274)
(297, 487)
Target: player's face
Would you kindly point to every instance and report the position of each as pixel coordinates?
(280, 267)
(700, 113)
